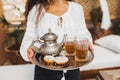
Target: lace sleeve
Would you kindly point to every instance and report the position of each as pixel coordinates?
(29, 35)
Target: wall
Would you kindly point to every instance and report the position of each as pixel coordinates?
(1, 9)
(113, 5)
(118, 8)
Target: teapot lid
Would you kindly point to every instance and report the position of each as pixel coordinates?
(49, 36)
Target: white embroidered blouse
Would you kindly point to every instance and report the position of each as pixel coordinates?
(73, 23)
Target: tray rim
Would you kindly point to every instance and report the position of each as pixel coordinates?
(61, 69)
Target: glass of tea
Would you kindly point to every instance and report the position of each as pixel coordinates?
(81, 49)
(69, 45)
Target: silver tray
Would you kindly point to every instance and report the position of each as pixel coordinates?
(72, 64)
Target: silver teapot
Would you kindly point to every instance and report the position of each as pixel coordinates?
(48, 44)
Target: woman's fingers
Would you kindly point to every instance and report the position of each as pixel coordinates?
(91, 47)
(31, 60)
(30, 54)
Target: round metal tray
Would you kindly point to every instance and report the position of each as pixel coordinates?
(72, 64)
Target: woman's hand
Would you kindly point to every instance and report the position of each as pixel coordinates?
(91, 47)
(30, 54)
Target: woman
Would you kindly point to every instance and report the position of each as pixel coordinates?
(63, 17)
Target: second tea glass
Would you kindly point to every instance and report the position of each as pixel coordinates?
(81, 49)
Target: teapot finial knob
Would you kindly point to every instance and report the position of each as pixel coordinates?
(49, 30)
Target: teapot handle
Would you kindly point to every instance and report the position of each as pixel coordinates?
(36, 49)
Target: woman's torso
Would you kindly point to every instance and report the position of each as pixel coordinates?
(68, 26)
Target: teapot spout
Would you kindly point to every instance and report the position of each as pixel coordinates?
(63, 41)
(58, 50)
(64, 38)
(60, 47)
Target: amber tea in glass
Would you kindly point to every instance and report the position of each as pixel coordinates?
(69, 45)
(81, 49)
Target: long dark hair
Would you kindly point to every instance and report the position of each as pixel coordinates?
(31, 3)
